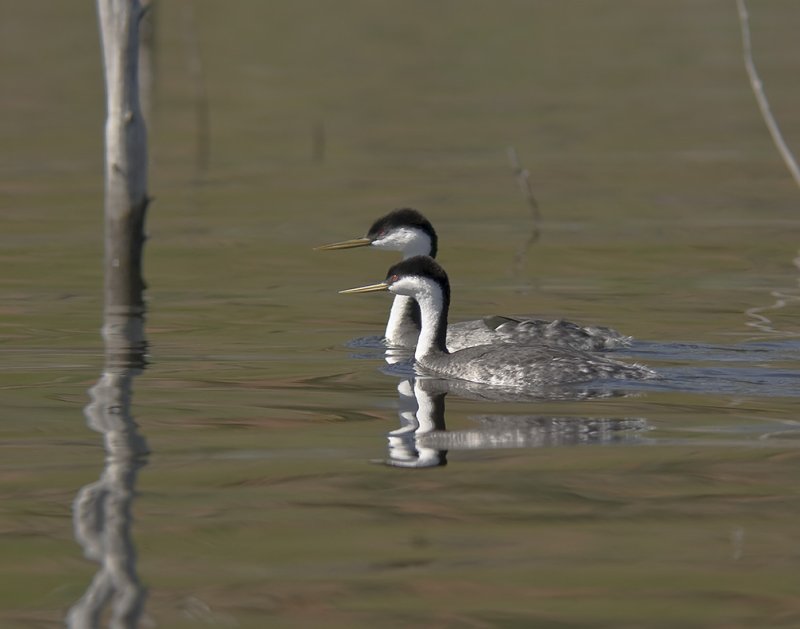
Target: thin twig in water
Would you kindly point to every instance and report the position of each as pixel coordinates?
(197, 73)
(524, 182)
(763, 103)
(147, 60)
(763, 323)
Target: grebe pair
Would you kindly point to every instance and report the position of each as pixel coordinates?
(501, 364)
(409, 232)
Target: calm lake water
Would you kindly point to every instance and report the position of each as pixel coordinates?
(266, 500)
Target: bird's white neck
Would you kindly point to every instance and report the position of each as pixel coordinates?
(433, 313)
(401, 331)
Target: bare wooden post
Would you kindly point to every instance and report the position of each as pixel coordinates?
(102, 510)
(125, 156)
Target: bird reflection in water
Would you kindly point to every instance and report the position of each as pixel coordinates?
(422, 440)
(102, 510)
(419, 415)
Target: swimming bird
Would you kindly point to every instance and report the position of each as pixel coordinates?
(408, 231)
(501, 364)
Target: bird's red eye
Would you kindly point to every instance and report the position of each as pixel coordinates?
(394, 278)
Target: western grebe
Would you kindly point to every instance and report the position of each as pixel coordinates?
(502, 364)
(408, 231)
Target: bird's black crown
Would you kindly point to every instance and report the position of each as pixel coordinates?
(421, 266)
(404, 217)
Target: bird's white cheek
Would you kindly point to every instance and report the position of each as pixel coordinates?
(390, 242)
(404, 287)
(382, 244)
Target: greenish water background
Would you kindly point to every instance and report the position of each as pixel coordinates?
(667, 214)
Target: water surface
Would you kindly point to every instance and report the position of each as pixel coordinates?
(265, 499)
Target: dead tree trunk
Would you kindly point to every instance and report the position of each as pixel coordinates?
(102, 510)
(125, 156)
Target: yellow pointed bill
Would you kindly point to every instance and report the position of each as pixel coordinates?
(372, 288)
(345, 244)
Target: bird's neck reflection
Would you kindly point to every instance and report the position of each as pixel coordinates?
(420, 414)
